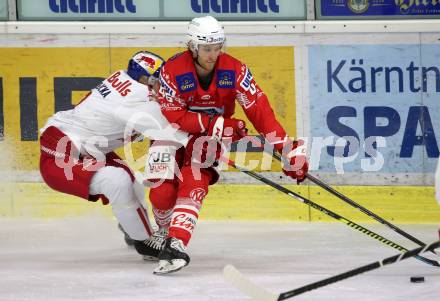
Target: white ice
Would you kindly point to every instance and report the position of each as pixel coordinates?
(86, 259)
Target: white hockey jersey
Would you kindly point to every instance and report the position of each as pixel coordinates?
(114, 111)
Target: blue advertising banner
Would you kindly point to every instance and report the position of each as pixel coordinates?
(394, 8)
(160, 9)
(384, 99)
(3, 10)
(88, 9)
(237, 9)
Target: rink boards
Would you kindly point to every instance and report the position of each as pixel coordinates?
(403, 204)
(40, 81)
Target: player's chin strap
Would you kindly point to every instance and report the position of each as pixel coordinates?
(196, 61)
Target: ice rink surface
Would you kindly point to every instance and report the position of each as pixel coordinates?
(85, 258)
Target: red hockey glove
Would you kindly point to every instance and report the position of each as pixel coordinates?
(219, 128)
(294, 159)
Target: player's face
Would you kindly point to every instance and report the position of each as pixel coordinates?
(154, 89)
(155, 85)
(152, 83)
(208, 55)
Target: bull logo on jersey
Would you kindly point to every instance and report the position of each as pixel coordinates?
(225, 79)
(186, 82)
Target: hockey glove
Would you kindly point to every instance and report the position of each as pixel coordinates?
(230, 128)
(294, 159)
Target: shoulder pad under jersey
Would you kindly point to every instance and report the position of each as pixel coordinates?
(176, 56)
(230, 59)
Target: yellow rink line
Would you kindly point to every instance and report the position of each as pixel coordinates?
(397, 204)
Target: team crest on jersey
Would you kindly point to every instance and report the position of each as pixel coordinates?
(197, 194)
(186, 82)
(225, 79)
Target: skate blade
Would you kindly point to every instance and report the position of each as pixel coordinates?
(150, 258)
(129, 243)
(166, 267)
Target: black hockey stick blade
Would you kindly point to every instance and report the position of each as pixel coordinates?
(233, 276)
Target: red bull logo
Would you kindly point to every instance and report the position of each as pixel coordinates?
(150, 62)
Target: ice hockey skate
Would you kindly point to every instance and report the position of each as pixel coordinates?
(172, 258)
(128, 240)
(151, 247)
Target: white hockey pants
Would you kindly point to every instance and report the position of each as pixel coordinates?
(127, 199)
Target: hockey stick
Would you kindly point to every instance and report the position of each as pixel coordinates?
(243, 284)
(326, 211)
(359, 207)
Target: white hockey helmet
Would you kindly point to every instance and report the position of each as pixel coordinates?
(204, 31)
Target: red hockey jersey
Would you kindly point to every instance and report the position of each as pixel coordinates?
(185, 103)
